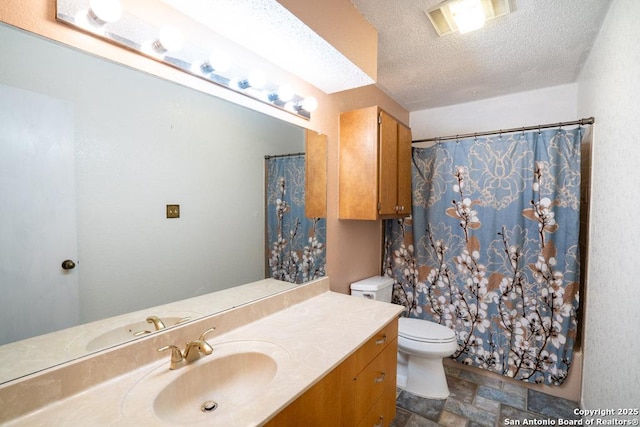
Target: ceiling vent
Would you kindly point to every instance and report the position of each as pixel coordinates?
(466, 15)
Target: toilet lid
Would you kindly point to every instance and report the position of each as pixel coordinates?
(424, 331)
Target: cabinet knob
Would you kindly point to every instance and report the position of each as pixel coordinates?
(380, 378)
(382, 340)
(380, 422)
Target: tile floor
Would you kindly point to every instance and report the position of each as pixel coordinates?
(477, 400)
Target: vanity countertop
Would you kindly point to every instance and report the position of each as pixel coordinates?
(317, 334)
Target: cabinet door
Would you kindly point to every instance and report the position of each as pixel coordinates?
(388, 165)
(404, 170)
(358, 168)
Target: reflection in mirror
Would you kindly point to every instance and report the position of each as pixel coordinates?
(295, 243)
(133, 143)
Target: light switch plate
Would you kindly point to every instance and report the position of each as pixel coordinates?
(173, 211)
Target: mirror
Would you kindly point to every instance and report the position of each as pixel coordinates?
(138, 143)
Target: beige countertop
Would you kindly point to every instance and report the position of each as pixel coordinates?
(308, 339)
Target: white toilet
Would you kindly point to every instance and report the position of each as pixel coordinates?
(421, 344)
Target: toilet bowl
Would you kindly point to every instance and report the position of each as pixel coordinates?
(421, 345)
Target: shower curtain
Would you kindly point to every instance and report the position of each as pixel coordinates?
(491, 250)
(295, 244)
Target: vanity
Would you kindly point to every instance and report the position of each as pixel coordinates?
(304, 356)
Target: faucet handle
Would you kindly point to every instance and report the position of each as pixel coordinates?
(176, 356)
(206, 332)
(181, 321)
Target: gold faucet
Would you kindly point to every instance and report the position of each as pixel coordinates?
(157, 323)
(192, 351)
(176, 356)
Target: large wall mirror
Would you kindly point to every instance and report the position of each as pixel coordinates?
(119, 146)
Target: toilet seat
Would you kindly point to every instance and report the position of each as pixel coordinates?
(424, 331)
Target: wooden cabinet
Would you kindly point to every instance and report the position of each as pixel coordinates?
(361, 391)
(375, 166)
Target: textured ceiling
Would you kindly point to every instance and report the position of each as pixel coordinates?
(542, 43)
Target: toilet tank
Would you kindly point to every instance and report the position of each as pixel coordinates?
(378, 288)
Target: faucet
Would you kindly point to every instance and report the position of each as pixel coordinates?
(192, 351)
(157, 323)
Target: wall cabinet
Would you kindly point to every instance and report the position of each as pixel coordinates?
(361, 391)
(375, 166)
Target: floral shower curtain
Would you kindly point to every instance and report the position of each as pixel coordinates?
(295, 244)
(491, 250)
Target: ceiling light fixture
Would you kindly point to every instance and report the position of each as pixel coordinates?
(466, 15)
(167, 44)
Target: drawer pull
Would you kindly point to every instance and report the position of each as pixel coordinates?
(380, 378)
(382, 340)
(380, 422)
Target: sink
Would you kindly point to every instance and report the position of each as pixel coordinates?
(124, 333)
(224, 388)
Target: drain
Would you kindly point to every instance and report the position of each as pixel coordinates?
(209, 406)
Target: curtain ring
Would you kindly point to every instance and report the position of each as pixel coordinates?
(500, 134)
(539, 130)
(475, 137)
(457, 140)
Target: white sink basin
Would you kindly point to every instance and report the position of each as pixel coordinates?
(219, 389)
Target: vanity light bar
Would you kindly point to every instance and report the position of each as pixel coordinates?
(107, 20)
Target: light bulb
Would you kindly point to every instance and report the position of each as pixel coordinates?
(309, 104)
(169, 39)
(257, 79)
(219, 61)
(468, 15)
(102, 12)
(285, 92)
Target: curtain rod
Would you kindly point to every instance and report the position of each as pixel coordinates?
(267, 157)
(587, 121)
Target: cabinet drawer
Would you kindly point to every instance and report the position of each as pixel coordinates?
(383, 411)
(376, 377)
(375, 345)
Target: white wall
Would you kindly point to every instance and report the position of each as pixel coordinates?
(609, 89)
(141, 143)
(548, 105)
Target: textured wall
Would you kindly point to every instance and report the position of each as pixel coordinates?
(609, 89)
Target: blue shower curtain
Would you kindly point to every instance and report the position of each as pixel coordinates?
(295, 244)
(491, 250)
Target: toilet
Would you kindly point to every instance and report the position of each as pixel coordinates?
(421, 344)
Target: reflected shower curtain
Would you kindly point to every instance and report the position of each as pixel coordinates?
(492, 249)
(295, 244)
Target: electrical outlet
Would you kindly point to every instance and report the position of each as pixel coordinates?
(173, 211)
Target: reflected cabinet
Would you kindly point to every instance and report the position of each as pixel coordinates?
(375, 166)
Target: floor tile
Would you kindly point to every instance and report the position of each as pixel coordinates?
(427, 408)
(511, 399)
(470, 412)
(487, 404)
(461, 389)
(551, 406)
(480, 379)
(418, 421)
(449, 419)
(402, 418)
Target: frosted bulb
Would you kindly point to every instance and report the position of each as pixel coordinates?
(219, 61)
(104, 11)
(285, 92)
(309, 104)
(170, 38)
(257, 79)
